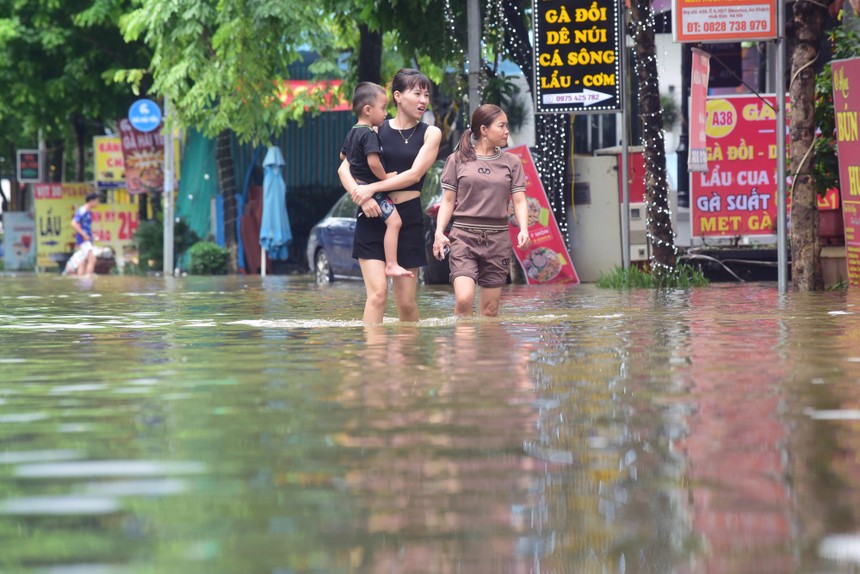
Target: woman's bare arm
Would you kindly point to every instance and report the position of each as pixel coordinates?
(370, 208)
(425, 158)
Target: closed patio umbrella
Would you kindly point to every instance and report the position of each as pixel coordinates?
(275, 232)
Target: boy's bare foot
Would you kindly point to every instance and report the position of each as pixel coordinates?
(394, 270)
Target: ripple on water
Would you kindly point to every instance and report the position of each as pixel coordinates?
(59, 505)
(25, 456)
(109, 468)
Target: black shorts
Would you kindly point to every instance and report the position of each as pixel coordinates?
(370, 232)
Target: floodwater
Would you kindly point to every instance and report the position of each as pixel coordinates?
(247, 425)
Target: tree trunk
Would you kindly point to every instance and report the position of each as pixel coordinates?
(227, 182)
(658, 215)
(369, 55)
(807, 31)
(80, 132)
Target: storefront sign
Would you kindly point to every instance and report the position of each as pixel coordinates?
(846, 80)
(29, 166)
(737, 195)
(113, 224)
(723, 20)
(55, 207)
(577, 56)
(546, 260)
(108, 160)
(143, 157)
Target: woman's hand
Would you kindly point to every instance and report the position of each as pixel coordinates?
(523, 239)
(370, 208)
(440, 242)
(360, 194)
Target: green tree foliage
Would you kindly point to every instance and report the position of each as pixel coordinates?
(845, 43)
(219, 61)
(56, 62)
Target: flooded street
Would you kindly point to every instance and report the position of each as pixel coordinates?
(247, 425)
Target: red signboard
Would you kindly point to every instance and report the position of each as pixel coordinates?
(327, 90)
(143, 156)
(737, 195)
(723, 20)
(546, 260)
(846, 80)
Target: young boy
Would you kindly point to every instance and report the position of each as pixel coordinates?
(363, 150)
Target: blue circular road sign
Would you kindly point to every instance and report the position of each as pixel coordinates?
(144, 115)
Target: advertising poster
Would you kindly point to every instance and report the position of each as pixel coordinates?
(698, 157)
(55, 207)
(113, 224)
(546, 260)
(846, 81)
(109, 164)
(29, 166)
(723, 20)
(577, 46)
(143, 159)
(19, 241)
(737, 195)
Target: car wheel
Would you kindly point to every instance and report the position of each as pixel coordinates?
(322, 268)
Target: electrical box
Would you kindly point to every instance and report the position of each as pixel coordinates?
(596, 218)
(594, 222)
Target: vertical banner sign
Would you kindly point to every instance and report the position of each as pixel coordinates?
(698, 158)
(846, 80)
(577, 53)
(546, 260)
(723, 20)
(737, 195)
(109, 164)
(143, 156)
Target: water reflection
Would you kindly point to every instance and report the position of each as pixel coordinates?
(238, 425)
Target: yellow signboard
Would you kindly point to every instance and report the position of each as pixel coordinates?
(109, 165)
(114, 224)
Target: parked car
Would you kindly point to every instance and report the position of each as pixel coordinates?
(330, 244)
(330, 241)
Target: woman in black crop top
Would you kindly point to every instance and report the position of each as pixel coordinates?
(409, 147)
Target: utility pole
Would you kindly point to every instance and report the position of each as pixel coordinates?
(167, 200)
(782, 208)
(473, 24)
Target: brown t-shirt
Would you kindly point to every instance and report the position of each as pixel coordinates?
(484, 186)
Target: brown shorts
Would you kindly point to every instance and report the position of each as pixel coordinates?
(484, 257)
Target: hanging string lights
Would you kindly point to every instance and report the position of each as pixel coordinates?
(454, 48)
(658, 214)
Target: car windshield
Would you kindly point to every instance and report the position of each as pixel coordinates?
(343, 208)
